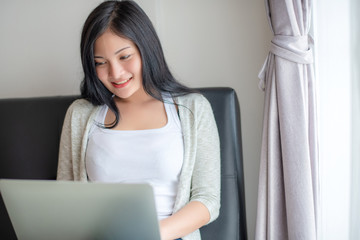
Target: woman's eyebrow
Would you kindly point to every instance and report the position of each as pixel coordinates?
(118, 51)
(121, 50)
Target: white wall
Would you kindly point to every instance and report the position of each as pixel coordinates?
(206, 42)
(39, 46)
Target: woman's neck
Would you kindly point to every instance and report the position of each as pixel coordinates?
(139, 97)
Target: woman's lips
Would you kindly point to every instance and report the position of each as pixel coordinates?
(121, 84)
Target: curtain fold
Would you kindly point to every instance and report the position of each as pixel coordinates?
(288, 178)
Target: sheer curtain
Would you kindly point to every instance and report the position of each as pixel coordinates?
(288, 180)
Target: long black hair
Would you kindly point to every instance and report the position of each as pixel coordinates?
(127, 20)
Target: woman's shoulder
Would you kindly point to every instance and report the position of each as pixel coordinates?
(81, 107)
(192, 99)
(81, 104)
(194, 106)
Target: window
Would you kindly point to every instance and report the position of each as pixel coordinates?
(337, 71)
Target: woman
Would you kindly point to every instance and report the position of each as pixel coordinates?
(135, 123)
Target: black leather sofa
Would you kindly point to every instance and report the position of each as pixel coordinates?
(30, 130)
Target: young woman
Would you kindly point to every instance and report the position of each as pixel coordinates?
(136, 124)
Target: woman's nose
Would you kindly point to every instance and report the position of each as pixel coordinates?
(116, 70)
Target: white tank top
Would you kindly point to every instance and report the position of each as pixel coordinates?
(153, 156)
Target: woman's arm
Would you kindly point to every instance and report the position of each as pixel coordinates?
(203, 147)
(70, 165)
(64, 171)
(190, 218)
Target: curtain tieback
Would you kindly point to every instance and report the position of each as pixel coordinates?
(295, 49)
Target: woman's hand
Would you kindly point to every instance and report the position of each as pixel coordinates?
(190, 218)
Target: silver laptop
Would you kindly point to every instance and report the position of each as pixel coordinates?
(41, 209)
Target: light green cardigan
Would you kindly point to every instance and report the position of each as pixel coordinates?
(200, 174)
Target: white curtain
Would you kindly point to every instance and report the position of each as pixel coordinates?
(288, 181)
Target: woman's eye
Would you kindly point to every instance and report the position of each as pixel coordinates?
(99, 63)
(125, 57)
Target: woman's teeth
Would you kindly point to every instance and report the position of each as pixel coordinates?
(122, 82)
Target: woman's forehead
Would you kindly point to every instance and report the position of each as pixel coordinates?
(109, 41)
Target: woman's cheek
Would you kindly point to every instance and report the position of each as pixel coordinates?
(101, 74)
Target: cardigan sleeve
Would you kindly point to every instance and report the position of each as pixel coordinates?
(205, 184)
(65, 170)
(70, 162)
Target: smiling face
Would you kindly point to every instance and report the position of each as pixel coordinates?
(118, 65)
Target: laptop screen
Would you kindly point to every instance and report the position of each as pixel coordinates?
(41, 209)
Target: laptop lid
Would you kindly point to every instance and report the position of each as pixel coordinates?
(41, 209)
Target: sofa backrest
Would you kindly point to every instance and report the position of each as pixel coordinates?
(30, 131)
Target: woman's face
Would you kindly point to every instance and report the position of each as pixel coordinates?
(118, 65)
